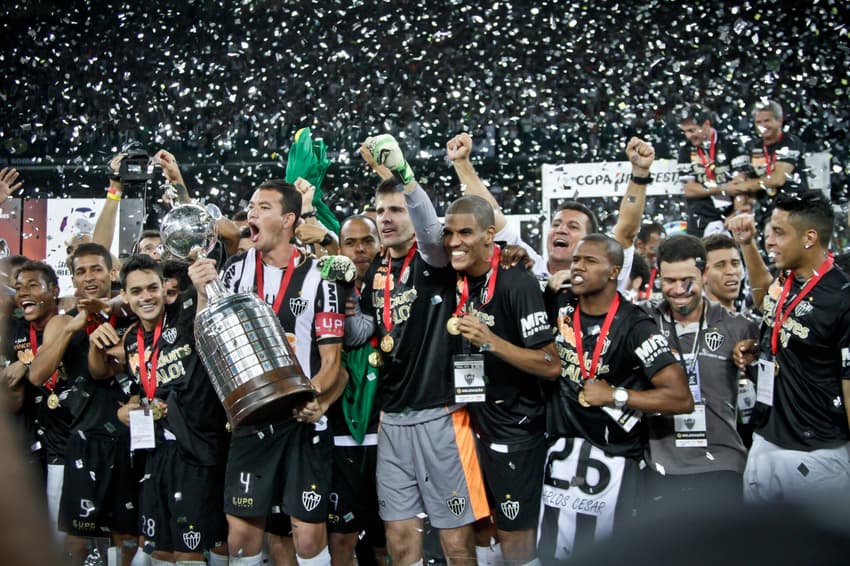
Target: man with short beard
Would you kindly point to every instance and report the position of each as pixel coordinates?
(702, 335)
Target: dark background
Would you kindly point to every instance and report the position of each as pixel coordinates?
(225, 84)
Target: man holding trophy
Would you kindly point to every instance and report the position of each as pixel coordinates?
(283, 467)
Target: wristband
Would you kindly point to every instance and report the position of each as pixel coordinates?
(311, 214)
(642, 180)
(113, 194)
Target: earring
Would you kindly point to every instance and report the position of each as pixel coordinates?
(807, 246)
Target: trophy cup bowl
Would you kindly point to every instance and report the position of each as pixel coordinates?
(238, 336)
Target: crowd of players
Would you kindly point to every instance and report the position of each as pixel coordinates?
(526, 406)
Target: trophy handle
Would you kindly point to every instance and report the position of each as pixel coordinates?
(215, 290)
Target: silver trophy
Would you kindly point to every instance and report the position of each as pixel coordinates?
(238, 336)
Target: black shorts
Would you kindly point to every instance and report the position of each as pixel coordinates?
(100, 492)
(514, 481)
(353, 500)
(181, 506)
(287, 465)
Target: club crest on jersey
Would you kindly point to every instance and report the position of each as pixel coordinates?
(802, 309)
(297, 305)
(191, 539)
(510, 508)
(170, 335)
(456, 505)
(713, 340)
(310, 499)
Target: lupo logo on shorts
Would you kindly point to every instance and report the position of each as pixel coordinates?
(310, 500)
(456, 505)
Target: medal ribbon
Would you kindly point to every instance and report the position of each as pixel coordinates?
(50, 384)
(148, 382)
(492, 275)
(708, 164)
(597, 350)
(93, 322)
(387, 314)
(648, 293)
(782, 316)
(284, 282)
(768, 162)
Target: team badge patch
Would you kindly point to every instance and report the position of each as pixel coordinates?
(510, 509)
(456, 505)
(297, 305)
(310, 500)
(170, 335)
(802, 309)
(191, 539)
(713, 340)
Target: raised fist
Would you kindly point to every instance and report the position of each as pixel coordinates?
(386, 151)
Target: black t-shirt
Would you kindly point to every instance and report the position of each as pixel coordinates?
(514, 410)
(636, 350)
(702, 211)
(52, 426)
(813, 359)
(195, 415)
(95, 403)
(789, 149)
(417, 373)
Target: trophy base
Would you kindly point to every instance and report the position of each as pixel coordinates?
(268, 398)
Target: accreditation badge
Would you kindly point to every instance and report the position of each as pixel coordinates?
(766, 376)
(691, 429)
(469, 378)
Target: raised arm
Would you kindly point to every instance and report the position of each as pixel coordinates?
(172, 174)
(57, 336)
(104, 228)
(743, 229)
(641, 155)
(458, 150)
(386, 151)
(7, 183)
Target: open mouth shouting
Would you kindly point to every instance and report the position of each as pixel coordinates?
(254, 231)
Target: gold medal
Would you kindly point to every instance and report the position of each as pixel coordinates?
(387, 343)
(581, 400)
(375, 360)
(452, 326)
(156, 410)
(53, 401)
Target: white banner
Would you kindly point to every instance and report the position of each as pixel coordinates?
(67, 218)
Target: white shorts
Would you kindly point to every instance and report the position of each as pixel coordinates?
(55, 479)
(773, 472)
